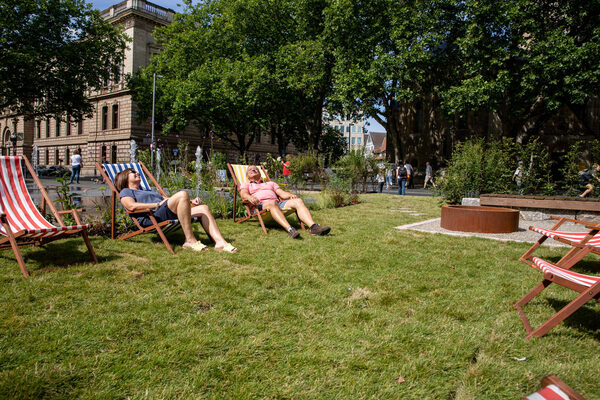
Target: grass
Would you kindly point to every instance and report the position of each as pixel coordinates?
(369, 312)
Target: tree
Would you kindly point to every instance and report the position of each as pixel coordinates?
(525, 59)
(52, 52)
(242, 68)
(390, 53)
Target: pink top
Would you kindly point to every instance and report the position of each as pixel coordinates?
(263, 191)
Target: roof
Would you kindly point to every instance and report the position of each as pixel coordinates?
(379, 141)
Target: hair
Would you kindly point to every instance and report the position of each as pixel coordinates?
(122, 179)
(78, 151)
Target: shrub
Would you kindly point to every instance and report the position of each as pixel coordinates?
(303, 167)
(477, 167)
(356, 168)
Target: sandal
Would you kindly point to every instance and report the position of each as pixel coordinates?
(228, 248)
(198, 246)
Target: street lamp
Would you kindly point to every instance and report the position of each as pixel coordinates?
(154, 76)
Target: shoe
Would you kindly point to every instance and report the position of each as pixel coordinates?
(227, 248)
(198, 246)
(319, 230)
(294, 234)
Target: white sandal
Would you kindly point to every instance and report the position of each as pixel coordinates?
(228, 248)
(198, 246)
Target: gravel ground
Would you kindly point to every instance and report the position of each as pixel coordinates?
(522, 235)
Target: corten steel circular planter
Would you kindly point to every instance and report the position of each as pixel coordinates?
(480, 219)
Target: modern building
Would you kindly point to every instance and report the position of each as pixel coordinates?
(352, 130)
(107, 135)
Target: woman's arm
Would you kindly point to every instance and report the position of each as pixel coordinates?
(131, 205)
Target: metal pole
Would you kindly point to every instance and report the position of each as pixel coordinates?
(152, 140)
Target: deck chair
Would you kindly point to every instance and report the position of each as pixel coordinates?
(22, 222)
(108, 172)
(588, 287)
(582, 243)
(238, 173)
(554, 389)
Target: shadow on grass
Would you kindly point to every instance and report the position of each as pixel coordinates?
(61, 254)
(585, 319)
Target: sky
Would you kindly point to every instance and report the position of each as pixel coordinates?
(373, 126)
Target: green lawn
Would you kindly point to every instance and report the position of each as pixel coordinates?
(337, 317)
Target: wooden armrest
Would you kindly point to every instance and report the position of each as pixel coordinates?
(71, 211)
(593, 226)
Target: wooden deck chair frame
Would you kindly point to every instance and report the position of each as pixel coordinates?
(566, 389)
(156, 226)
(579, 249)
(250, 212)
(40, 231)
(587, 286)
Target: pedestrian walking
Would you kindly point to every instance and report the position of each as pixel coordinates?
(409, 175)
(428, 175)
(75, 166)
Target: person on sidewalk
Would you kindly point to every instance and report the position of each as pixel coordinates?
(75, 166)
(409, 175)
(428, 175)
(402, 175)
(269, 196)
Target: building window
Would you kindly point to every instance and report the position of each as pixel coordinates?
(258, 138)
(56, 159)
(358, 140)
(38, 128)
(353, 140)
(47, 128)
(37, 157)
(47, 157)
(103, 154)
(57, 127)
(68, 156)
(80, 128)
(68, 125)
(113, 154)
(115, 116)
(104, 118)
(347, 129)
(272, 137)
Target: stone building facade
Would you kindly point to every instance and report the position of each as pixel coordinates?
(107, 135)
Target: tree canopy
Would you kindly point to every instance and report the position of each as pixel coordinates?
(52, 52)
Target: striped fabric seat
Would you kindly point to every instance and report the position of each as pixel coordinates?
(571, 276)
(113, 169)
(16, 202)
(550, 392)
(22, 223)
(571, 236)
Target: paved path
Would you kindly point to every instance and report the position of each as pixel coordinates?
(522, 235)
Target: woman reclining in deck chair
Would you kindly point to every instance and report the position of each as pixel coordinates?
(179, 206)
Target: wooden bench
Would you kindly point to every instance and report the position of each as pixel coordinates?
(546, 206)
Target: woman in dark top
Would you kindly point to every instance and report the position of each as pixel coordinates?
(179, 206)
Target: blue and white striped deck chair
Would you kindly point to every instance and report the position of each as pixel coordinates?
(109, 171)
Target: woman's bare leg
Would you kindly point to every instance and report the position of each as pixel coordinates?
(209, 224)
(179, 203)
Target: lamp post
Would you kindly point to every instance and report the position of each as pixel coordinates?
(154, 76)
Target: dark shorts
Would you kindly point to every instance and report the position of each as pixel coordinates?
(163, 213)
(281, 205)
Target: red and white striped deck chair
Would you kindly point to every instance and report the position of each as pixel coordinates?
(238, 174)
(108, 172)
(22, 222)
(554, 389)
(582, 243)
(588, 287)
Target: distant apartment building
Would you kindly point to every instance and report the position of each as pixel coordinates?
(352, 130)
(107, 135)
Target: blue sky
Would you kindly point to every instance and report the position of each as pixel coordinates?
(175, 5)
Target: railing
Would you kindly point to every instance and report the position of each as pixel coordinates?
(139, 5)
